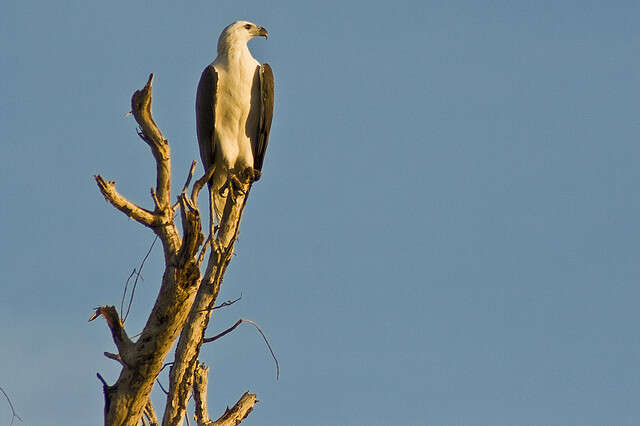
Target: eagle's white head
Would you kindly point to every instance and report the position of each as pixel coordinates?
(239, 33)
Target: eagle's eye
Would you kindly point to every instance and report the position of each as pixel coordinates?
(247, 26)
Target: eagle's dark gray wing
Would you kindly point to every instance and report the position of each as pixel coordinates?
(266, 115)
(206, 115)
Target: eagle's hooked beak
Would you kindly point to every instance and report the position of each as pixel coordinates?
(262, 31)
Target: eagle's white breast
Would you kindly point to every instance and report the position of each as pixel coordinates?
(236, 72)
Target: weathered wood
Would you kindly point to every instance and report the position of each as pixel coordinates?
(231, 417)
(238, 412)
(188, 347)
(200, 379)
(118, 333)
(127, 400)
(150, 414)
(150, 133)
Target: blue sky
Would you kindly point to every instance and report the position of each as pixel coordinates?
(446, 232)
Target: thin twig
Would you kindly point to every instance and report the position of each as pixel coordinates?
(164, 366)
(227, 303)
(126, 286)
(154, 196)
(227, 331)
(104, 382)
(222, 305)
(135, 283)
(190, 176)
(233, 327)
(137, 335)
(185, 187)
(268, 345)
(115, 357)
(197, 186)
(14, 415)
(162, 387)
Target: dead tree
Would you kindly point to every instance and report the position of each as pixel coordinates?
(185, 300)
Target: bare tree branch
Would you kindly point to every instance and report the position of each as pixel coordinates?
(233, 327)
(114, 357)
(135, 283)
(238, 412)
(104, 382)
(150, 413)
(185, 299)
(182, 372)
(14, 415)
(166, 364)
(137, 213)
(200, 183)
(203, 250)
(231, 417)
(149, 132)
(124, 292)
(192, 170)
(154, 197)
(166, 392)
(161, 219)
(120, 338)
(219, 335)
(200, 394)
(192, 237)
(125, 401)
(227, 303)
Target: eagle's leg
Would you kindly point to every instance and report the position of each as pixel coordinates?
(250, 175)
(232, 187)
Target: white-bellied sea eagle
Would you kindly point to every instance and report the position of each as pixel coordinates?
(234, 108)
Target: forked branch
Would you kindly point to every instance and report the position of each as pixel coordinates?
(161, 218)
(231, 417)
(120, 338)
(135, 212)
(126, 402)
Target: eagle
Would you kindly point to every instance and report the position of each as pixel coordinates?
(234, 109)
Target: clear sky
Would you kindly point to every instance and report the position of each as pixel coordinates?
(446, 232)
